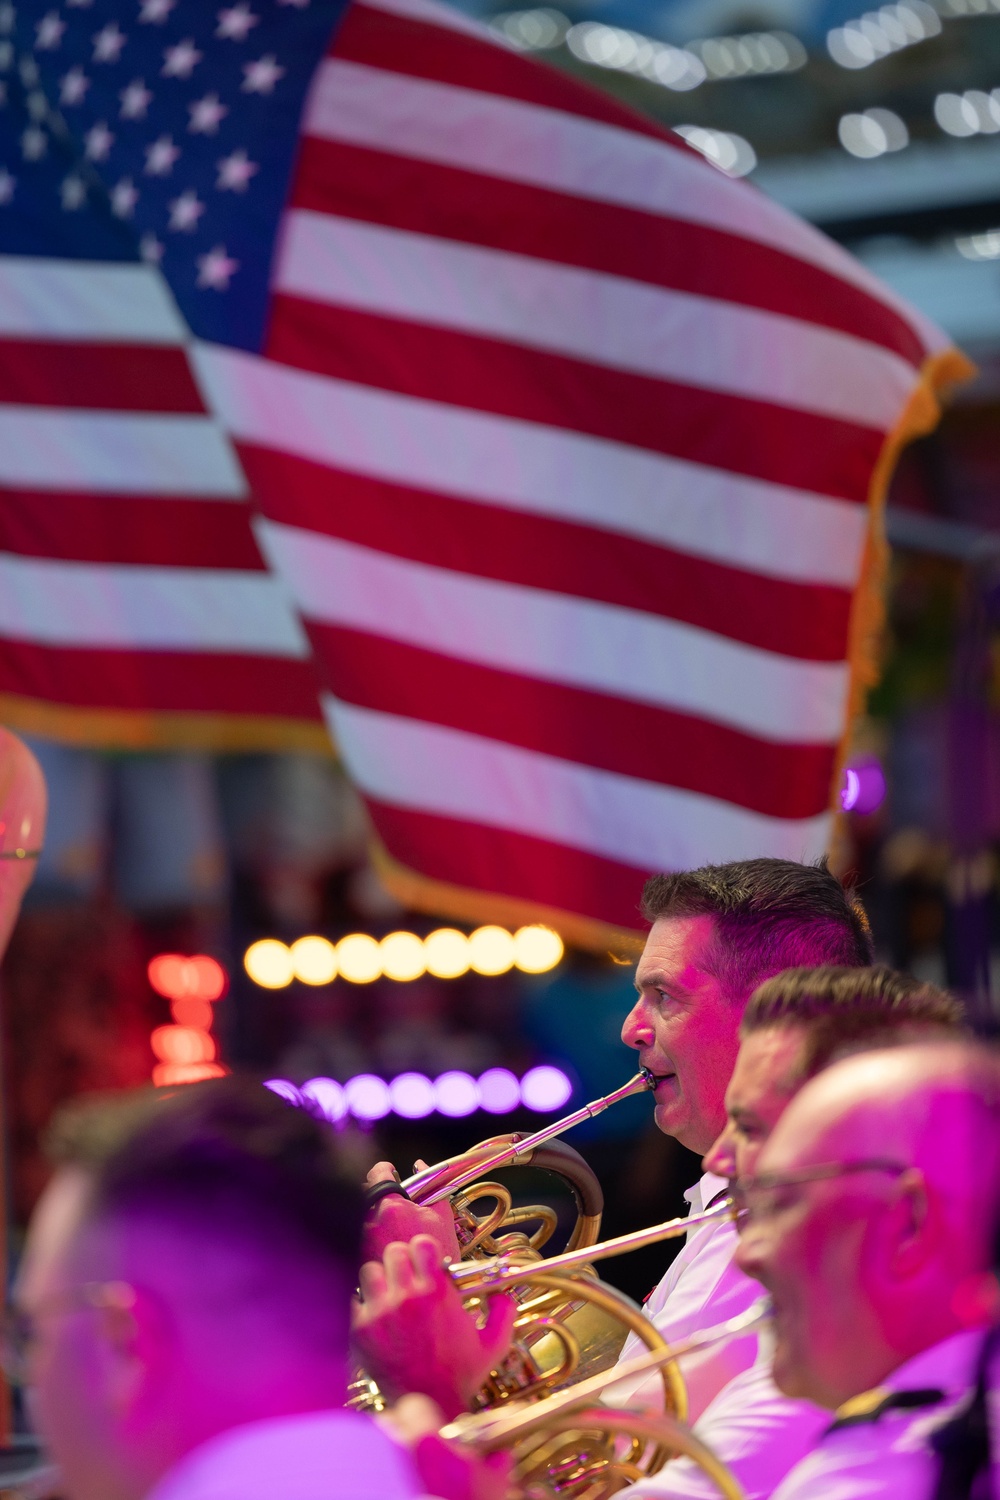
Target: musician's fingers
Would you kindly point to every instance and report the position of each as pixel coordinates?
(371, 1279)
(383, 1171)
(399, 1270)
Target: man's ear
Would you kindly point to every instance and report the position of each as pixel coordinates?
(915, 1224)
(132, 1332)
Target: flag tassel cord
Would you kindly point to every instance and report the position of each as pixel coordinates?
(939, 375)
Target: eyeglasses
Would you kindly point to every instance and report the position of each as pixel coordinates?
(757, 1199)
(19, 1328)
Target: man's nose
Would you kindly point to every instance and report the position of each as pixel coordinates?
(721, 1158)
(637, 1031)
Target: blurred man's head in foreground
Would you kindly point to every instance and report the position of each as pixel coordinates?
(799, 1022)
(871, 1215)
(189, 1269)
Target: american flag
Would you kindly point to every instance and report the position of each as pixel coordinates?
(561, 442)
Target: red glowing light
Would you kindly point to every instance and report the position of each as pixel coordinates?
(182, 1044)
(167, 1073)
(190, 1011)
(179, 978)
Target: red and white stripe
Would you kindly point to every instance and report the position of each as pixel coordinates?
(563, 441)
(134, 601)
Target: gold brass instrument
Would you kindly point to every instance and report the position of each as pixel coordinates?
(448, 1176)
(570, 1325)
(463, 1179)
(569, 1329)
(554, 1339)
(564, 1446)
(502, 1271)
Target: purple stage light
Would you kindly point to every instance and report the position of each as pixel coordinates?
(412, 1096)
(327, 1096)
(368, 1097)
(457, 1094)
(499, 1091)
(284, 1089)
(864, 787)
(545, 1089)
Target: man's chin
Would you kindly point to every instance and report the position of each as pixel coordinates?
(668, 1113)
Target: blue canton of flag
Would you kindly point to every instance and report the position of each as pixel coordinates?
(183, 117)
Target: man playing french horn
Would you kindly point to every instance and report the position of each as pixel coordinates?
(716, 934)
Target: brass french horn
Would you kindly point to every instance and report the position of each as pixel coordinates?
(464, 1179)
(567, 1448)
(563, 1329)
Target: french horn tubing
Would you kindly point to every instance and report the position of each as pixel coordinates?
(569, 1324)
(464, 1180)
(580, 1461)
(565, 1446)
(501, 1271)
(456, 1172)
(565, 1327)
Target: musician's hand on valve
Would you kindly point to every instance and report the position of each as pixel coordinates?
(395, 1218)
(413, 1334)
(448, 1471)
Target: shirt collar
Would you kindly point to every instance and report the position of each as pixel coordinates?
(705, 1189)
(949, 1365)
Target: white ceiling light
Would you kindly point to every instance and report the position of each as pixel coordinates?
(754, 53)
(859, 43)
(730, 153)
(872, 133)
(972, 113)
(984, 246)
(630, 52)
(533, 30)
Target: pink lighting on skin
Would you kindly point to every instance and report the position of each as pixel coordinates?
(413, 1096)
(864, 787)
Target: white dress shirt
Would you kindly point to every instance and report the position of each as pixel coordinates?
(891, 1458)
(759, 1433)
(734, 1405)
(702, 1286)
(326, 1455)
